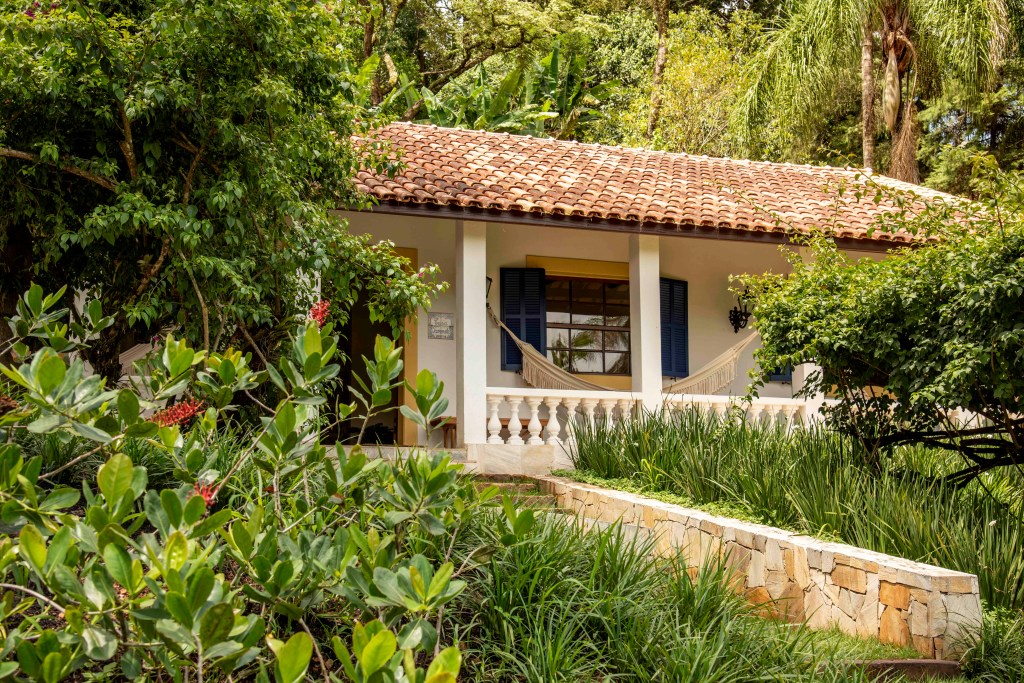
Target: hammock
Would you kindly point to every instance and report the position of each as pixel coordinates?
(541, 373)
(716, 375)
(538, 371)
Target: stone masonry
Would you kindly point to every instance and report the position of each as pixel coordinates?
(799, 578)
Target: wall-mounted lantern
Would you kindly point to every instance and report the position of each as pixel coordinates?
(739, 316)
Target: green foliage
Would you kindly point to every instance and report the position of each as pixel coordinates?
(183, 162)
(145, 580)
(705, 77)
(815, 481)
(577, 605)
(546, 97)
(906, 341)
(809, 71)
(957, 127)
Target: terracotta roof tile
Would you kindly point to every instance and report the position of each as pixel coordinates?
(492, 171)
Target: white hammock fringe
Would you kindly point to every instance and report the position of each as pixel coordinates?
(541, 373)
(716, 375)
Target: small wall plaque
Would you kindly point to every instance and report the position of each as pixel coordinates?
(440, 325)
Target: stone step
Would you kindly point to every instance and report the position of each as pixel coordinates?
(539, 502)
(910, 669)
(512, 489)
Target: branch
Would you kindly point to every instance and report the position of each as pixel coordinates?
(103, 182)
(154, 269)
(127, 145)
(252, 342)
(202, 302)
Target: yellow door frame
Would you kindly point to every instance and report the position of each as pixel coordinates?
(407, 430)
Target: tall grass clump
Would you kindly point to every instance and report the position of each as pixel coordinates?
(576, 604)
(816, 481)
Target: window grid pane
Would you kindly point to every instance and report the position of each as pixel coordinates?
(588, 326)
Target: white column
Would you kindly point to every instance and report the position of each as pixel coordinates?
(471, 330)
(645, 318)
(813, 402)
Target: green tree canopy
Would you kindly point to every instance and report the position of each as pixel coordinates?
(182, 160)
(905, 341)
(924, 47)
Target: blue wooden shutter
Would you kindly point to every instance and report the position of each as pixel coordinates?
(524, 311)
(784, 375)
(675, 333)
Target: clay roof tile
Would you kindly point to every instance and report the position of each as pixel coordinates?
(555, 177)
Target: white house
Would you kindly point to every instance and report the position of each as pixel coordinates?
(613, 263)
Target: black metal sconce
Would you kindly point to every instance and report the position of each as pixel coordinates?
(739, 316)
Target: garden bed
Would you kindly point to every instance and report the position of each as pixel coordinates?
(801, 578)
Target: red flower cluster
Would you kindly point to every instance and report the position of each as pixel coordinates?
(318, 313)
(179, 413)
(207, 491)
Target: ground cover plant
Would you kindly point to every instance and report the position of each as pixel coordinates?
(815, 481)
(146, 536)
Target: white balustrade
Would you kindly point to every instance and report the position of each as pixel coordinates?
(526, 416)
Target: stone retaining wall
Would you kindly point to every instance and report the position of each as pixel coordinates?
(800, 578)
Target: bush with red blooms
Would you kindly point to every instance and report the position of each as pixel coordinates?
(203, 576)
(319, 312)
(178, 414)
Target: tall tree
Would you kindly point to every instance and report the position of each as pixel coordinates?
(661, 21)
(923, 45)
(182, 161)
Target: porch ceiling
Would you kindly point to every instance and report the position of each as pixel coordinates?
(476, 175)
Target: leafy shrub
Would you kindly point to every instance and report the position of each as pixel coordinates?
(337, 550)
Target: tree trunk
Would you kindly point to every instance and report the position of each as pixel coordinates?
(903, 165)
(867, 95)
(661, 17)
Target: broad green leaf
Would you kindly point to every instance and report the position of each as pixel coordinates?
(50, 373)
(377, 652)
(195, 508)
(115, 477)
(100, 644)
(176, 551)
(292, 658)
(216, 624)
(127, 406)
(33, 547)
(119, 564)
(52, 668)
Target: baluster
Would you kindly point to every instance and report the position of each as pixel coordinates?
(789, 415)
(624, 410)
(534, 425)
(589, 406)
(494, 423)
(515, 426)
(554, 428)
(608, 405)
(570, 420)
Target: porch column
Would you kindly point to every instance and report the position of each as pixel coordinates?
(471, 331)
(645, 318)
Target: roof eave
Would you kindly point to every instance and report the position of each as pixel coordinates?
(756, 235)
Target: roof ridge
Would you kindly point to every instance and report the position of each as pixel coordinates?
(638, 149)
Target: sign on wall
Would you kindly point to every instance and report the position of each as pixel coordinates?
(440, 325)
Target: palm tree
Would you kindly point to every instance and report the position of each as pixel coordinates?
(924, 45)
